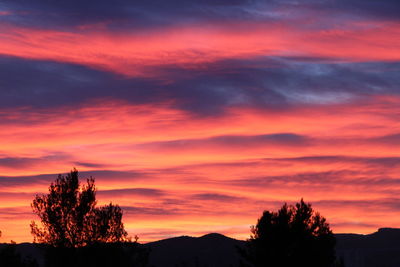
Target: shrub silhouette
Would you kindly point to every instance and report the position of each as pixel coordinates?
(70, 218)
(292, 236)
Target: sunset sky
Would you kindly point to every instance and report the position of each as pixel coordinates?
(195, 116)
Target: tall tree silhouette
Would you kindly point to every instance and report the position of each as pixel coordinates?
(292, 236)
(69, 216)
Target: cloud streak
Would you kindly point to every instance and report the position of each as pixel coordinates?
(190, 47)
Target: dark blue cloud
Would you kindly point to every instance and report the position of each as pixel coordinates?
(24, 162)
(270, 83)
(8, 181)
(16, 212)
(232, 141)
(359, 180)
(368, 165)
(387, 9)
(390, 140)
(146, 192)
(144, 14)
(290, 139)
(382, 204)
(139, 211)
(367, 161)
(90, 165)
(44, 84)
(46, 179)
(315, 179)
(125, 14)
(216, 197)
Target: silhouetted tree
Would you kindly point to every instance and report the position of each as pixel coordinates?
(77, 233)
(292, 236)
(70, 218)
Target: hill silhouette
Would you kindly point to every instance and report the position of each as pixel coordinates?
(379, 249)
(211, 250)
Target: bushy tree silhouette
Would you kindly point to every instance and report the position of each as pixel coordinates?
(70, 218)
(292, 236)
(75, 232)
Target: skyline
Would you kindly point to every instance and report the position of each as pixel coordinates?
(195, 116)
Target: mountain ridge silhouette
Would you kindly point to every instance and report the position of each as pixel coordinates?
(380, 248)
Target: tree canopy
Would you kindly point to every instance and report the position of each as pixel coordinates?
(69, 216)
(292, 236)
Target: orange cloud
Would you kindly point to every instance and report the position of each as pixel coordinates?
(173, 171)
(141, 53)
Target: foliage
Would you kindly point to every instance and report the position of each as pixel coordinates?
(69, 216)
(293, 236)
